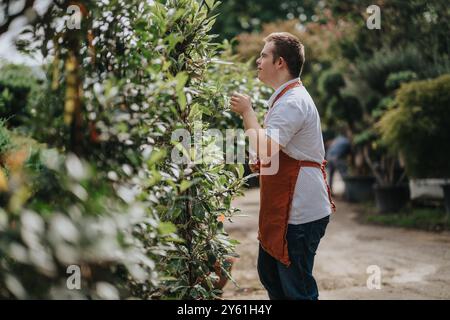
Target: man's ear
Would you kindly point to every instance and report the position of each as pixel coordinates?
(280, 62)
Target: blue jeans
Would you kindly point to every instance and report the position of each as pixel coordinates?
(295, 282)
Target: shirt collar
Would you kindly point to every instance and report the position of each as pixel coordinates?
(284, 85)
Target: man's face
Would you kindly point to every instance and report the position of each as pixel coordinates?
(266, 68)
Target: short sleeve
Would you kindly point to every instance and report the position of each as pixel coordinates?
(285, 120)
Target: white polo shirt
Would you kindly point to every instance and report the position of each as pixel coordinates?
(297, 120)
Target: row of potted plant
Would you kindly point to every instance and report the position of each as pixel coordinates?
(403, 139)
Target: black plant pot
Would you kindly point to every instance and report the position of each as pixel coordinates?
(446, 188)
(391, 198)
(359, 188)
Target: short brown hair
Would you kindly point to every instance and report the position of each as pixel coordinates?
(288, 47)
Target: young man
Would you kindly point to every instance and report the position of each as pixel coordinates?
(295, 202)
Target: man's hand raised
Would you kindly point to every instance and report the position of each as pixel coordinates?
(241, 103)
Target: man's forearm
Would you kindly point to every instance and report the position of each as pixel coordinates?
(250, 120)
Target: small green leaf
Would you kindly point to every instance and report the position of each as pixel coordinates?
(185, 184)
(182, 101)
(166, 228)
(195, 112)
(174, 40)
(156, 156)
(181, 80)
(240, 170)
(154, 178)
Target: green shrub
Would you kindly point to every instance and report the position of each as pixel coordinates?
(330, 83)
(344, 109)
(418, 127)
(5, 138)
(85, 225)
(408, 63)
(426, 219)
(140, 81)
(385, 62)
(17, 87)
(394, 80)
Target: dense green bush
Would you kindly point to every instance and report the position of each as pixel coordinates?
(18, 84)
(418, 127)
(408, 63)
(85, 224)
(117, 89)
(346, 109)
(330, 83)
(395, 79)
(5, 138)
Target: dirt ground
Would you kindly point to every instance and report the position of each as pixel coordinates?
(413, 264)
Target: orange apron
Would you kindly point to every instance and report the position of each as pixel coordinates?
(276, 193)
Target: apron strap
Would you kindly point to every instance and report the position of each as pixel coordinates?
(324, 172)
(288, 87)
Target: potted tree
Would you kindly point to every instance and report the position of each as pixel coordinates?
(391, 191)
(417, 128)
(345, 113)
